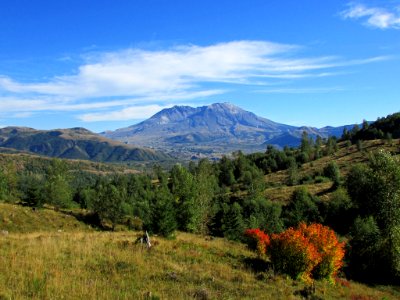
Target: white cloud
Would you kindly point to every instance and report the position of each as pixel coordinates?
(129, 113)
(377, 17)
(123, 81)
(136, 72)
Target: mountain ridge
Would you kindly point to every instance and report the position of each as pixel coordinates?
(213, 130)
(74, 143)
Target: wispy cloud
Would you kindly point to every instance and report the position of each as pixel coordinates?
(130, 113)
(133, 82)
(377, 17)
(322, 90)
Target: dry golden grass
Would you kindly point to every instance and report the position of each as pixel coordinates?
(282, 194)
(102, 265)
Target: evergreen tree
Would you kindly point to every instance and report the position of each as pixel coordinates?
(108, 204)
(226, 168)
(317, 148)
(57, 190)
(365, 125)
(306, 143)
(163, 219)
(31, 189)
(355, 130)
(346, 135)
(302, 208)
(331, 146)
(293, 173)
(232, 223)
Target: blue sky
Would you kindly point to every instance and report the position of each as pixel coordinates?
(108, 64)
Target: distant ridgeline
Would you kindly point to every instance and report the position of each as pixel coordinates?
(383, 128)
(74, 143)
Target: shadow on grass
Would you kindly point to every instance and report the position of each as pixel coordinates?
(257, 265)
(327, 191)
(88, 218)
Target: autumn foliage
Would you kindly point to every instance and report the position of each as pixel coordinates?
(306, 252)
(257, 240)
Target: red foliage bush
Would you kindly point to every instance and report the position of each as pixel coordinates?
(305, 252)
(257, 240)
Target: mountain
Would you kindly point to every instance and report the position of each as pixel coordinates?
(212, 130)
(74, 143)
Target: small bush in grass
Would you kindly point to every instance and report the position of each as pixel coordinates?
(306, 252)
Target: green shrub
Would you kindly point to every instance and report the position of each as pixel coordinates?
(332, 172)
(133, 223)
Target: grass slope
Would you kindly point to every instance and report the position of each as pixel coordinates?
(101, 265)
(345, 158)
(19, 219)
(37, 261)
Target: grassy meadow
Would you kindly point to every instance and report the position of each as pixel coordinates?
(84, 264)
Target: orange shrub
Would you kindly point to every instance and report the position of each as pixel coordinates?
(329, 248)
(291, 253)
(257, 240)
(305, 252)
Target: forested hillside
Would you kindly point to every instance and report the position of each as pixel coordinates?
(384, 128)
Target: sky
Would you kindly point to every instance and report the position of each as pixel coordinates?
(106, 64)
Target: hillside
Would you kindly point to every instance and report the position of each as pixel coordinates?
(213, 130)
(22, 219)
(22, 161)
(75, 143)
(45, 264)
(345, 157)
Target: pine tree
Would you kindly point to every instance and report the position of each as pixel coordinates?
(163, 219)
(232, 224)
(57, 190)
(108, 204)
